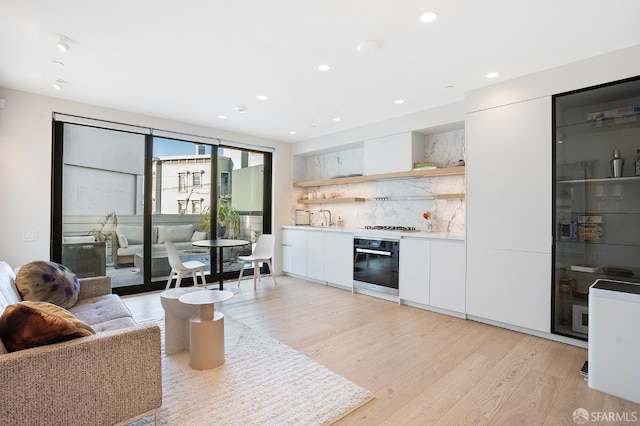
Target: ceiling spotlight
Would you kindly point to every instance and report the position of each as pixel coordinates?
(262, 97)
(337, 119)
(58, 85)
(399, 101)
(292, 132)
(63, 44)
(493, 74)
(324, 67)
(449, 87)
(241, 109)
(428, 17)
(368, 46)
(222, 117)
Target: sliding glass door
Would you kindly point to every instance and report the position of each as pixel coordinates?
(99, 181)
(119, 196)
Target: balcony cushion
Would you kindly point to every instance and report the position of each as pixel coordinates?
(44, 281)
(27, 325)
(174, 233)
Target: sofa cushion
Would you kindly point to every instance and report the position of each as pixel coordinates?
(175, 233)
(24, 326)
(133, 233)
(43, 281)
(123, 241)
(115, 324)
(97, 310)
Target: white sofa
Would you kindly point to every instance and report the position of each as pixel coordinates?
(107, 378)
(128, 240)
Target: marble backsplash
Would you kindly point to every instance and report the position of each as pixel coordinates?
(444, 149)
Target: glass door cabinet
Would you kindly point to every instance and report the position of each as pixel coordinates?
(596, 197)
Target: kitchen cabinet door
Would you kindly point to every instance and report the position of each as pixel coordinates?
(509, 201)
(414, 266)
(315, 255)
(338, 258)
(287, 251)
(510, 287)
(298, 250)
(393, 153)
(508, 177)
(447, 284)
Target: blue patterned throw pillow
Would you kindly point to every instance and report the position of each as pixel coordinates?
(43, 281)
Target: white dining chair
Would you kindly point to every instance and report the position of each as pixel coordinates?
(180, 268)
(262, 252)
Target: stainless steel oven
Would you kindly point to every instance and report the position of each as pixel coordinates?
(375, 264)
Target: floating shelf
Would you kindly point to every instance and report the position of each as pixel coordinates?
(333, 200)
(601, 180)
(445, 171)
(450, 196)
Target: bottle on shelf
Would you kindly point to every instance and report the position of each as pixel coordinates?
(617, 163)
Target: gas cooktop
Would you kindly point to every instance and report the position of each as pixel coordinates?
(390, 228)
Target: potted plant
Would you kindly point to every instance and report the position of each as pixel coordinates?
(228, 220)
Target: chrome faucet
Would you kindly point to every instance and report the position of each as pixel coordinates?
(327, 211)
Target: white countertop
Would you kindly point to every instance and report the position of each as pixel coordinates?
(388, 234)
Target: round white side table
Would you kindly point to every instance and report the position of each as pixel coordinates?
(176, 319)
(206, 329)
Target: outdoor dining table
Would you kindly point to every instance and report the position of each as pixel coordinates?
(220, 245)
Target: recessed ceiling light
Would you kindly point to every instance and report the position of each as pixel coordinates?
(449, 87)
(58, 85)
(241, 109)
(63, 44)
(292, 132)
(399, 101)
(312, 127)
(324, 67)
(428, 17)
(493, 74)
(222, 117)
(337, 119)
(262, 97)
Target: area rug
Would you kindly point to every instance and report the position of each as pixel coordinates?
(262, 382)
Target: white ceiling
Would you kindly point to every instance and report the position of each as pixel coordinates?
(194, 60)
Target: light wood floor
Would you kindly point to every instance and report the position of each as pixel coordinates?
(424, 368)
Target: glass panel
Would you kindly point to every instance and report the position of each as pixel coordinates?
(103, 182)
(180, 203)
(240, 183)
(597, 207)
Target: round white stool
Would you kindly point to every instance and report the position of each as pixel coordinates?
(176, 319)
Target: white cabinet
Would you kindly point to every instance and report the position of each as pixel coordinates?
(315, 255)
(508, 151)
(414, 270)
(338, 258)
(447, 284)
(319, 255)
(294, 251)
(393, 153)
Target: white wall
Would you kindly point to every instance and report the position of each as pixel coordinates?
(25, 167)
(443, 118)
(601, 69)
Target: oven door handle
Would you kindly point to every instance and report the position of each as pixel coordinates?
(369, 251)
